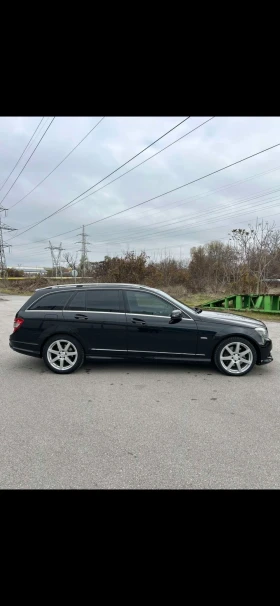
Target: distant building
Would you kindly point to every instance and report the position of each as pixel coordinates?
(32, 271)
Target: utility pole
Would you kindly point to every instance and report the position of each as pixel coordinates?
(3, 227)
(84, 252)
(56, 257)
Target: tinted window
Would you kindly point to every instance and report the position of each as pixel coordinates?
(78, 302)
(145, 303)
(103, 300)
(55, 300)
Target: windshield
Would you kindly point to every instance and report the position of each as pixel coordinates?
(175, 301)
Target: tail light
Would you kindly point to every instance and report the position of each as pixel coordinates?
(17, 323)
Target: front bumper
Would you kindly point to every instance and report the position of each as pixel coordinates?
(265, 353)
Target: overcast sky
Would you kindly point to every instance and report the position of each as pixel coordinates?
(173, 223)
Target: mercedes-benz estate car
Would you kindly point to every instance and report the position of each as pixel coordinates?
(65, 325)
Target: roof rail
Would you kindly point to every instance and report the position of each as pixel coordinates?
(80, 285)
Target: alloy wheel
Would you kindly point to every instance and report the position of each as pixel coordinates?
(236, 357)
(62, 354)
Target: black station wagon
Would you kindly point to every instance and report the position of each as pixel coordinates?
(66, 324)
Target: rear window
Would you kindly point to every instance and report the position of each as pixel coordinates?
(78, 302)
(51, 301)
(103, 300)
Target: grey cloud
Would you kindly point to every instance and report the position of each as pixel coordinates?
(220, 142)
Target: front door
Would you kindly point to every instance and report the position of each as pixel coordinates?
(149, 331)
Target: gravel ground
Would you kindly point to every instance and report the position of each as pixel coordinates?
(136, 425)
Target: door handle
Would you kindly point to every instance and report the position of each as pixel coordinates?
(138, 321)
(81, 317)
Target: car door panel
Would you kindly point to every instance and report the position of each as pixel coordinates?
(103, 332)
(154, 335)
(76, 319)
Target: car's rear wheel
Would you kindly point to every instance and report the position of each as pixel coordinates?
(63, 354)
(235, 356)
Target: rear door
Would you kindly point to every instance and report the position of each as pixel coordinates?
(98, 317)
(107, 318)
(149, 331)
(76, 319)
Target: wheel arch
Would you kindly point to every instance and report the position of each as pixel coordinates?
(239, 335)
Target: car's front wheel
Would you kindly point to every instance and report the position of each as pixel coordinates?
(235, 356)
(63, 354)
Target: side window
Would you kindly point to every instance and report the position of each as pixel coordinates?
(146, 303)
(103, 300)
(56, 300)
(78, 302)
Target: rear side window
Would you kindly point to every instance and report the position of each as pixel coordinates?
(52, 301)
(103, 300)
(78, 302)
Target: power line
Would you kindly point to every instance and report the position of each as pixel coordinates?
(42, 126)
(28, 160)
(237, 202)
(208, 193)
(119, 177)
(21, 154)
(52, 171)
(104, 178)
(175, 246)
(174, 231)
(114, 241)
(140, 163)
(163, 194)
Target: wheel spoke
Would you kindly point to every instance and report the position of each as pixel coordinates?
(226, 357)
(231, 364)
(55, 359)
(67, 346)
(60, 348)
(71, 353)
(53, 351)
(68, 360)
(244, 353)
(238, 364)
(229, 349)
(237, 349)
(62, 362)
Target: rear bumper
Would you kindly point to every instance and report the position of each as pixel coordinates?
(28, 349)
(265, 353)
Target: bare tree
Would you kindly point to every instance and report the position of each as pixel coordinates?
(71, 260)
(256, 249)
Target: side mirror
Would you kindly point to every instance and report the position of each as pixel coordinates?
(175, 316)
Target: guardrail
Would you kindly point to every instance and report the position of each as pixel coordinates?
(47, 278)
(269, 304)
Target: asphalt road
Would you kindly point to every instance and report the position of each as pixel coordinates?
(136, 425)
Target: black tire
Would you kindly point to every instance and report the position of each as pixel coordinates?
(75, 352)
(244, 346)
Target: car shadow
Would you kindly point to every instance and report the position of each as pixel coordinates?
(121, 366)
